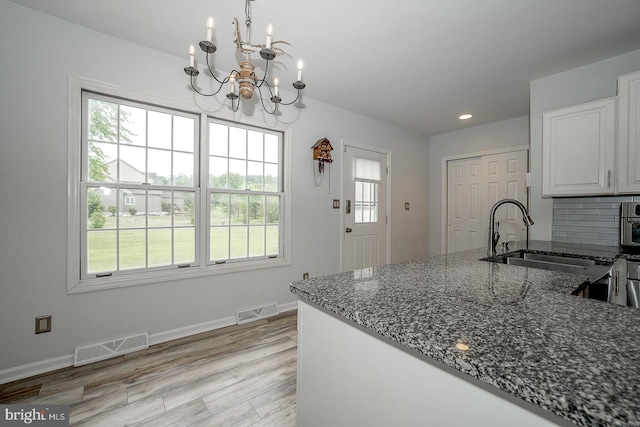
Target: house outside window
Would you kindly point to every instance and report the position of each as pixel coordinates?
(163, 193)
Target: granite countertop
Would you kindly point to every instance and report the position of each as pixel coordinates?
(526, 333)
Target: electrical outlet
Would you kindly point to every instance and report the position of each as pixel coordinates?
(43, 324)
(305, 276)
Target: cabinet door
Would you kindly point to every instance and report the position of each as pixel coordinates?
(629, 133)
(578, 149)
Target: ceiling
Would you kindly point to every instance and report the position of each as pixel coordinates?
(417, 64)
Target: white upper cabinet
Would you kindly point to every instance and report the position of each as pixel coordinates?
(629, 133)
(578, 149)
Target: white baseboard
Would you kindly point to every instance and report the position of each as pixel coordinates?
(35, 368)
(293, 305)
(48, 365)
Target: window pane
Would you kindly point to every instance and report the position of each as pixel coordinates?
(272, 240)
(159, 247)
(183, 208)
(271, 182)
(219, 214)
(254, 176)
(102, 164)
(255, 145)
(133, 249)
(238, 209)
(132, 208)
(159, 208)
(219, 243)
(101, 251)
(159, 130)
(256, 209)
(273, 210)
(271, 148)
(183, 133)
(132, 164)
(218, 140)
(256, 241)
(159, 167)
(97, 214)
(102, 120)
(237, 143)
(237, 174)
(366, 202)
(183, 169)
(184, 245)
(238, 242)
(218, 172)
(133, 125)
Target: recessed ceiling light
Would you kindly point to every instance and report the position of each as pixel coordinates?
(465, 117)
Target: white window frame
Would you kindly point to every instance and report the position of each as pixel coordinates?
(74, 282)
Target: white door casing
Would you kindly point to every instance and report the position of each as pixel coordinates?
(474, 185)
(364, 207)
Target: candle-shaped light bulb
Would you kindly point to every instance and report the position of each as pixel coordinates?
(209, 28)
(269, 31)
(191, 57)
(232, 83)
(275, 85)
(300, 70)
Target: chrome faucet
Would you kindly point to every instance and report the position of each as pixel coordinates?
(494, 236)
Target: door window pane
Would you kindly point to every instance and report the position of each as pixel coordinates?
(366, 202)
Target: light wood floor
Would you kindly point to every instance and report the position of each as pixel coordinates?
(242, 375)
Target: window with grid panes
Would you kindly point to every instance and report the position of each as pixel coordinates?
(159, 192)
(139, 187)
(245, 193)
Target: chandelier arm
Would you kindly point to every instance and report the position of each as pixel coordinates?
(206, 94)
(237, 105)
(292, 102)
(264, 78)
(212, 74)
(262, 102)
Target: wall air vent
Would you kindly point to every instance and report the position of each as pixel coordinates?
(256, 313)
(105, 350)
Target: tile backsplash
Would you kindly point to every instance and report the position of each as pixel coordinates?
(588, 220)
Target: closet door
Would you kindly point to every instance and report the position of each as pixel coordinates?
(473, 186)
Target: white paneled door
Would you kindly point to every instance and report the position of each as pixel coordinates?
(473, 187)
(464, 187)
(364, 237)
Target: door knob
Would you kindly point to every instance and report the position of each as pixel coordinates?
(348, 230)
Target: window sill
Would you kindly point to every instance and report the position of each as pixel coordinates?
(102, 283)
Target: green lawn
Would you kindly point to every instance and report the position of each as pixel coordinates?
(136, 244)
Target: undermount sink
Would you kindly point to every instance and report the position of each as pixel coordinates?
(564, 264)
(550, 262)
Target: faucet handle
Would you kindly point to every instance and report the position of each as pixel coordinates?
(505, 245)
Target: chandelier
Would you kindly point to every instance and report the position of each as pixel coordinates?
(243, 83)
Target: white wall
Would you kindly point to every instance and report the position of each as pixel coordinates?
(504, 134)
(38, 54)
(589, 83)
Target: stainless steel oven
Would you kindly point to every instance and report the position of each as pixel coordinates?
(630, 224)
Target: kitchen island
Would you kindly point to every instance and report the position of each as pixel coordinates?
(453, 340)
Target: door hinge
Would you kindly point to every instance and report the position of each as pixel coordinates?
(387, 170)
(386, 221)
